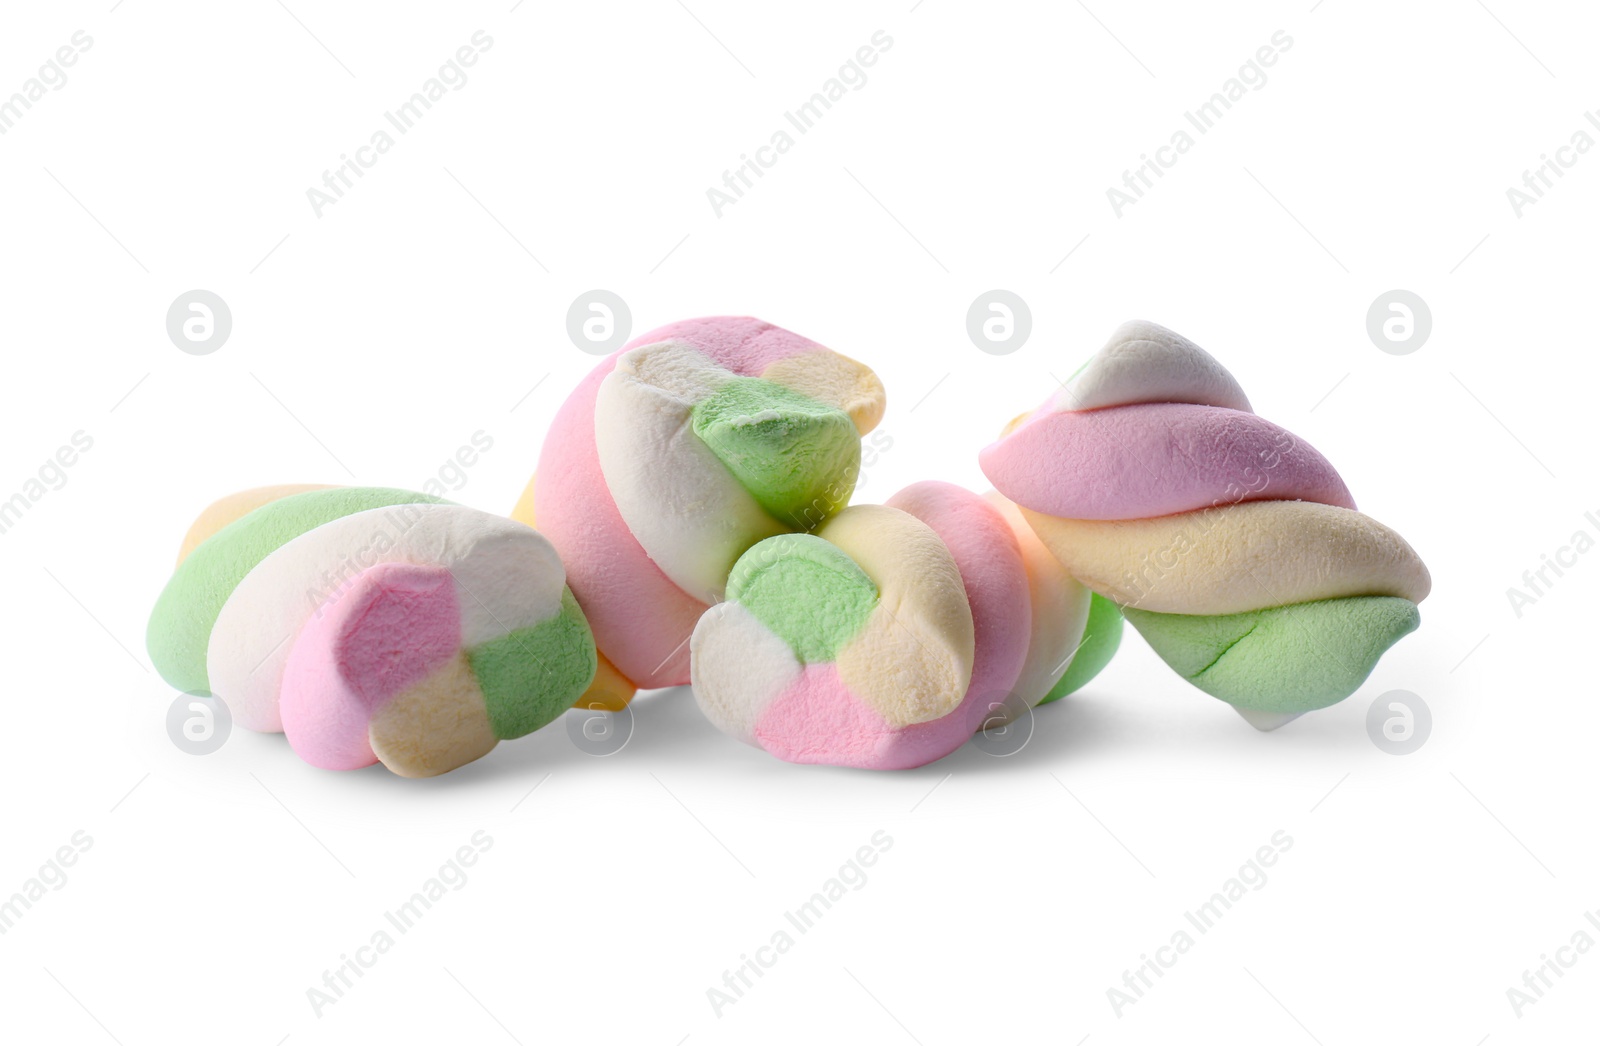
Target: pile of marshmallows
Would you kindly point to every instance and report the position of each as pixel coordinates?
(694, 525)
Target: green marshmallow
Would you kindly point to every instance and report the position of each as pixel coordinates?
(531, 675)
(1286, 659)
(806, 591)
(796, 456)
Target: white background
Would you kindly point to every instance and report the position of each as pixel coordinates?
(370, 343)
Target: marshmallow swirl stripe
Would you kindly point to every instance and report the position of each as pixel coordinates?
(673, 457)
(891, 635)
(373, 625)
(1230, 544)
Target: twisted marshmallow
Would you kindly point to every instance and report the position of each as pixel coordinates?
(372, 625)
(1234, 547)
(674, 456)
(893, 633)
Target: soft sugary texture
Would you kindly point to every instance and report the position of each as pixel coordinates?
(783, 447)
(740, 667)
(1242, 557)
(611, 691)
(434, 726)
(383, 674)
(913, 660)
(1152, 459)
(394, 628)
(1282, 659)
(185, 612)
(908, 660)
(507, 577)
(418, 633)
(1143, 362)
(678, 453)
(892, 635)
(995, 579)
(677, 496)
(1231, 544)
(532, 674)
(807, 591)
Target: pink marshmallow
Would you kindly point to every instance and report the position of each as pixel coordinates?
(1156, 459)
(395, 625)
(818, 720)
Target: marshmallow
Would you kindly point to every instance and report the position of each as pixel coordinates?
(676, 455)
(891, 635)
(1229, 543)
(374, 625)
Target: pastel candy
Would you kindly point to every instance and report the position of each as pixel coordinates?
(994, 580)
(507, 575)
(1153, 459)
(891, 635)
(434, 726)
(1235, 558)
(1233, 546)
(830, 645)
(399, 624)
(1143, 362)
(1283, 660)
(375, 625)
(384, 674)
(185, 612)
(677, 454)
